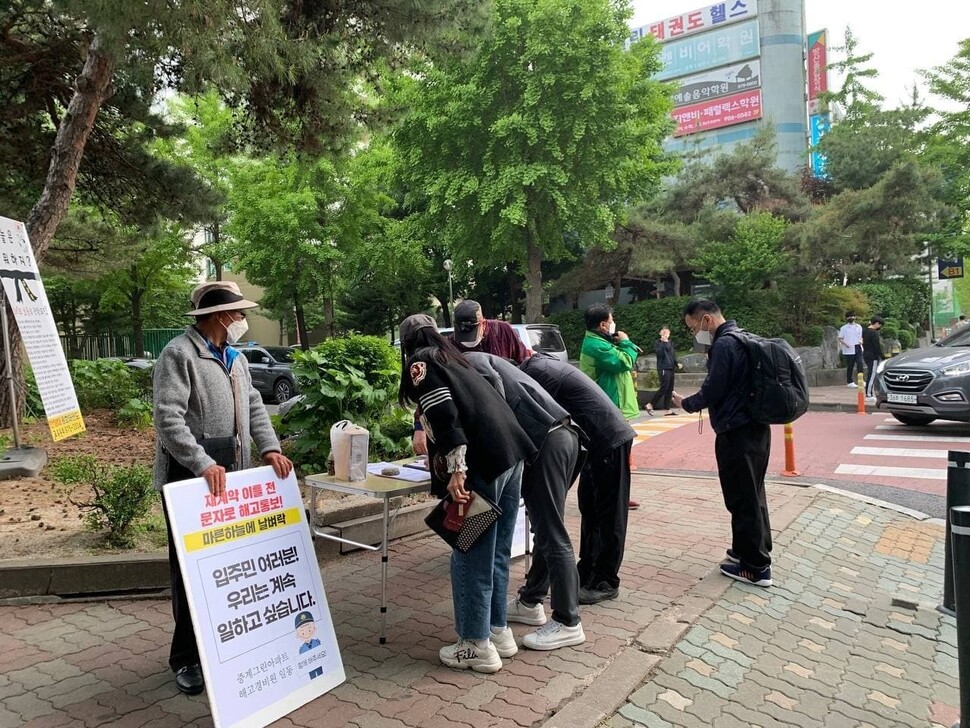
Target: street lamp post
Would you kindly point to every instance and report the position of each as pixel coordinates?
(451, 296)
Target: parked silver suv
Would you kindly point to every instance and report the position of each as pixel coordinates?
(923, 385)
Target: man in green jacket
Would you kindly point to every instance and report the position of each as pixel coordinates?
(608, 357)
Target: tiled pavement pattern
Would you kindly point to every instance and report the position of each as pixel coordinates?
(103, 664)
(848, 637)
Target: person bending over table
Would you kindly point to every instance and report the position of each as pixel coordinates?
(474, 445)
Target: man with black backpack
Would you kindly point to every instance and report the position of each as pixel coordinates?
(743, 444)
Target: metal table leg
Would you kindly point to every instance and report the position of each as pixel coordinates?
(383, 637)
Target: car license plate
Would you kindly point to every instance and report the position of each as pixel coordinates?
(901, 398)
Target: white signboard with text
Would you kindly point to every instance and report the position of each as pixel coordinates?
(261, 618)
(25, 292)
(521, 536)
(697, 21)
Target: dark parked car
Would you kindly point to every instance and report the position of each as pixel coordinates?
(923, 385)
(270, 368)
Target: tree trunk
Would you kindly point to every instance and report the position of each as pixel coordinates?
(137, 325)
(445, 311)
(300, 322)
(217, 264)
(533, 279)
(515, 286)
(676, 279)
(91, 89)
(328, 323)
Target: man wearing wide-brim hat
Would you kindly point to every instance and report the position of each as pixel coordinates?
(207, 414)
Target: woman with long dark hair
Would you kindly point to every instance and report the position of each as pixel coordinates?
(475, 445)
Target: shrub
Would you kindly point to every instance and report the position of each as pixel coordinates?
(905, 300)
(835, 301)
(907, 338)
(136, 413)
(103, 383)
(789, 338)
(351, 378)
(34, 404)
(890, 329)
(122, 495)
(814, 335)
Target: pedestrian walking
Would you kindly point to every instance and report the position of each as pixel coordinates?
(850, 343)
(667, 364)
(475, 446)
(742, 445)
(604, 485)
(546, 481)
(872, 351)
(207, 414)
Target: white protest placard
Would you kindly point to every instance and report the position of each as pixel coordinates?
(28, 300)
(261, 618)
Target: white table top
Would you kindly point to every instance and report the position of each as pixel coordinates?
(374, 486)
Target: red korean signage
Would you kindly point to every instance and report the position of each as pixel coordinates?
(718, 113)
(817, 65)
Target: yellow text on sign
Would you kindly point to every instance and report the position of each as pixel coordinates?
(237, 530)
(65, 425)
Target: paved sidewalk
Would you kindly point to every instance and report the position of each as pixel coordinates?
(829, 629)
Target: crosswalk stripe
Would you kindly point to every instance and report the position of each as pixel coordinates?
(917, 473)
(658, 425)
(899, 452)
(917, 438)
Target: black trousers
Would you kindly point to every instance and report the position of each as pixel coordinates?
(544, 489)
(184, 650)
(604, 498)
(870, 375)
(661, 398)
(742, 461)
(854, 361)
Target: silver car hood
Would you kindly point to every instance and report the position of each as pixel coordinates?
(932, 358)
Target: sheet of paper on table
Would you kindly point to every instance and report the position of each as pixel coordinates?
(411, 475)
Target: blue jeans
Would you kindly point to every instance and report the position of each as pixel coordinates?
(480, 577)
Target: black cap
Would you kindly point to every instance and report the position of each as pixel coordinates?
(412, 324)
(467, 317)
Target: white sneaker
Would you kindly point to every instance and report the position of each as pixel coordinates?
(467, 654)
(516, 611)
(852, 385)
(504, 641)
(554, 635)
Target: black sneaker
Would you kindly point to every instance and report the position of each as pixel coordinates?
(599, 593)
(732, 557)
(758, 577)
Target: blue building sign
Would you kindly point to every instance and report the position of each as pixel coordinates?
(720, 47)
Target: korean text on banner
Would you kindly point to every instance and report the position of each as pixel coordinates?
(710, 50)
(719, 113)
(25, 292)
(713, 16)
(260, 613)
(817, 65)
(718, 83)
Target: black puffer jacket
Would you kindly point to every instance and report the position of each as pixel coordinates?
(460, 408)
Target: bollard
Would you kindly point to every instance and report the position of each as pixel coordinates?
(960, 535)
(860, 381)
(957, 494)
(790, 470)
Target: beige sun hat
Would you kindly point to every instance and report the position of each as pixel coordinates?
(214, 296)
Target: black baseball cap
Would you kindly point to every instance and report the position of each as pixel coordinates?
(468, 315)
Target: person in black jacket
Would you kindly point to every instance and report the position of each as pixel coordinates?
(872, 351)
(475, 446)
(545, 484)
(604, 485)
(742, 445)
(666, 365)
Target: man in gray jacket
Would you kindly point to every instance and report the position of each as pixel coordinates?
(207, 413)
(545, 484)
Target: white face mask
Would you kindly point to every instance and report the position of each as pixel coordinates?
(236, 330)
(612, 328)
(704, 338)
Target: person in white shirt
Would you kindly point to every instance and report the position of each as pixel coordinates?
(850, 342)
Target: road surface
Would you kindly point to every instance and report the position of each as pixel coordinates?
(873, 454)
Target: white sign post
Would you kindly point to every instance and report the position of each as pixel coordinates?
(28, 301)
(261, 618)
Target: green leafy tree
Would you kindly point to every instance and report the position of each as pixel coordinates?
(855, 96)
(548, 132)
(749, 259)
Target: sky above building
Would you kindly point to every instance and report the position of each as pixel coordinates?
(905, 37)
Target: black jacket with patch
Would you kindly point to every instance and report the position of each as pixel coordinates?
(460, 408)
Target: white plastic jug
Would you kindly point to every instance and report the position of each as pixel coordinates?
(349, 444)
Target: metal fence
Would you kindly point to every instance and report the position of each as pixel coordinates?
(99, 346)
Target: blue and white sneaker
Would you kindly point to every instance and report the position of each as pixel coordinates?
(758, 577)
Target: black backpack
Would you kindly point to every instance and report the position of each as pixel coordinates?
(779, 389)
